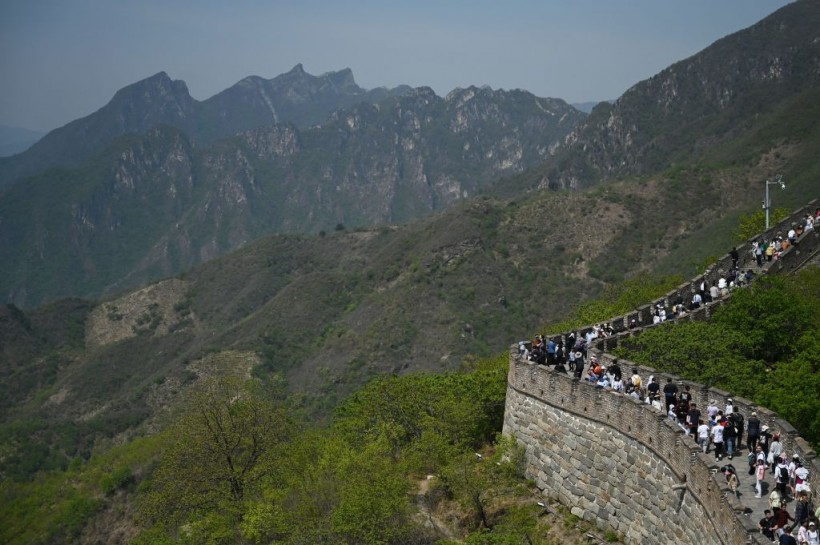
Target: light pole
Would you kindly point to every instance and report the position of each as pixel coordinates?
(767, 203)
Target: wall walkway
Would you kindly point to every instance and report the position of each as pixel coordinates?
(624, 465)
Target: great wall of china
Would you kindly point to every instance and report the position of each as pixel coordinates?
(624, 465)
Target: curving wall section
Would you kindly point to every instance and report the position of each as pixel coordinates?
(625, 466)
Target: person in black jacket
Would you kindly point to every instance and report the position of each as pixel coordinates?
(729, 436)
(766, 524)
(752, 432)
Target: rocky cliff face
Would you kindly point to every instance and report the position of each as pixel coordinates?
(154, 204)
(695, 104)
(295, 97)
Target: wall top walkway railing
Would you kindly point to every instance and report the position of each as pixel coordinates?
(634, 322)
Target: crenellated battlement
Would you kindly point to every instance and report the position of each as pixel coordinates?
(624, 465)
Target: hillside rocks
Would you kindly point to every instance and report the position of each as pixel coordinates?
(154, 204)
(688, 108)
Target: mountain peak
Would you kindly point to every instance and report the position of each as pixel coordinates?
(343, 78)
(298, 69)
(158, 85)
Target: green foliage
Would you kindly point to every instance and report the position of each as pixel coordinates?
(120, 478)
(57, 506)
(751, 225)
(225, 444)
(476, 480)
(428, 417)
(617, 299)
(762, 344)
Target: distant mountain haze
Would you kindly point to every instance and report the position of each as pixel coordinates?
(687, 109)
(15, 140)
(294, 97)
(156, 182)
(162, 193)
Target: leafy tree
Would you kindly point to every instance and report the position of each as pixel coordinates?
(223, 446)
(791, 389)
(477, 480)
(751, 225)
(770, 315)
(762, 344)
(427, 418)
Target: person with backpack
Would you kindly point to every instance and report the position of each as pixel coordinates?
(775, 451)
(739, 426)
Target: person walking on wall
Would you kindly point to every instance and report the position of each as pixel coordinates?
(760, 476)
(717, 440)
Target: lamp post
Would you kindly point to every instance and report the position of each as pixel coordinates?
(767, 203)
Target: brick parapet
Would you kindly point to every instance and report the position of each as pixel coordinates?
(687, 471)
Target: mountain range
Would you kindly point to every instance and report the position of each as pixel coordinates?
(154, 203)
(16, 139)
(295, 97)
(696, 105)
(525, 208)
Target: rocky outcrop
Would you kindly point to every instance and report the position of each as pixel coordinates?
(155, 204)
(695, 104)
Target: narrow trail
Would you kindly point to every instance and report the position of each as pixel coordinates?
(427, 515)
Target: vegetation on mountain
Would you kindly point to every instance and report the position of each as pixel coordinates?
(294, 97)
(103, 434)
(710, 100)
(762, 345)
(152, 205)
(354, 480)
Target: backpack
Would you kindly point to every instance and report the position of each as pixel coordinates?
(784, 474)
(738, 418)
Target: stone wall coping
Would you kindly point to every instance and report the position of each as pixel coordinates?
(683, 457)
(670, 435)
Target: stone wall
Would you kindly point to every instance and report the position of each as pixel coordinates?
(623, 465)
(794, 258)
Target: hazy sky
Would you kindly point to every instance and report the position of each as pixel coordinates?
(64, 59)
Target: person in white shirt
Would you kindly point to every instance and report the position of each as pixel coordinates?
(812, 534)
(717, 439)
(801, 479)
(703, 436)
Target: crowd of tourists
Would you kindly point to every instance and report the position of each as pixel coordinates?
(723, 432)
(717, 430)
(771, 250)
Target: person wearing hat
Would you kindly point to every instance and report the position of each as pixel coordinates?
(801, 478)
(812, 534)
(765, 439)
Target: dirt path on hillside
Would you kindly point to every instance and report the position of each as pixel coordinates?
(427, 515)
